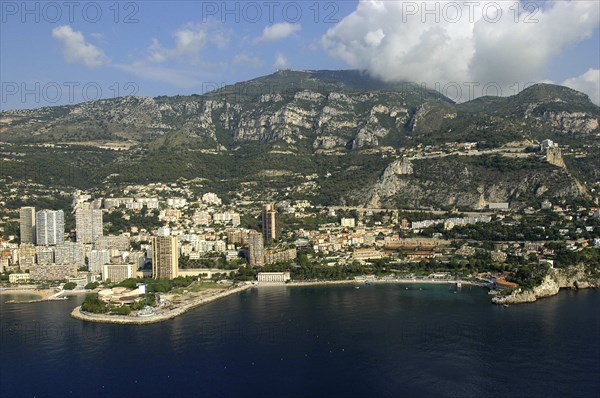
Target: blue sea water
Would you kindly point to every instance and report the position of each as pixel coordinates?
(314, 341)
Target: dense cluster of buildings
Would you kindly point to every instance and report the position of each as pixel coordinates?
(204, 229)
(450, 223)
(47, 253)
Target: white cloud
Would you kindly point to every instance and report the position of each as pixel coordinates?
(183, 64)
(77, 50)
(278, 31)
(190, 40)
(399, 40)
(281, 61)
(588, 83)
(247, 60)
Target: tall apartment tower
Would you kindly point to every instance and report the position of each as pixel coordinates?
(165, 259)
(50, 227)
(256, 252)
(88, 223)
(269, 222)
(70, 253)
(27, 224)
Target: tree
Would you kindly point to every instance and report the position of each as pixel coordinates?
(69, 286)
(130, 283)
(123, 310)
(93, 304)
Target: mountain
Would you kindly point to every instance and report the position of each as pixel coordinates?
(348, 129)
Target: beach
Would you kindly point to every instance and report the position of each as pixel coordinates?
(43, 294)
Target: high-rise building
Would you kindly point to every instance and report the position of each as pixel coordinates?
(70, 253)
(165, 259)
(27, 224)
(109, 242)
(256, 252)
(50, 227)
(97, 259)
(26, 256)
(44, 255)
(88, 223)
(269, 222)
(239, 236)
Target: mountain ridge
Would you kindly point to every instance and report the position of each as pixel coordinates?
(344, 124)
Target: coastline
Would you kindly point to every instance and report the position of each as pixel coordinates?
(375, 281)
(77, 313)
(44, 295)
(553, 282)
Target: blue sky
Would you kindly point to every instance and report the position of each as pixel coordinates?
(52, 53)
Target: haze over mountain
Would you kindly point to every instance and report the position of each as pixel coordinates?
(333, 122)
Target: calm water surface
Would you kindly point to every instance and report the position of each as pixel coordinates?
(316, 341)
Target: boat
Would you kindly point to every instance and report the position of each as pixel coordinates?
(357, 287)
(505, 305)
(458, 284)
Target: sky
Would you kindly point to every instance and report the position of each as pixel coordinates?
(59, 52)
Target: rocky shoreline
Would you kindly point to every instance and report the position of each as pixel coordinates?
(556, 279)
(77, 313)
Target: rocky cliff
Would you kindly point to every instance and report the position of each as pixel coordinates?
(556, 279)
(350, 130)
(318, 110)
(469, 182)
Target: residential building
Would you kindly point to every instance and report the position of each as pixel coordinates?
(164, 231)
(19, 278)
(97, 259)
(211, 199)
(201, 217)
(110, 242)
(347, 222)
(165, 260)
(50, 227)
(118, 272)
(70, 253)
(256, 254)
(88, 223)
(280, 256)
(52, 272)
(26, 256)
(498, 256)
(269, 222)
(228, 217)
(27, 224)
(44, 255)
(176, 202)
(366, 254)
(236, 236)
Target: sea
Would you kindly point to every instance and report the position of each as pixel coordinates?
(379, 340)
